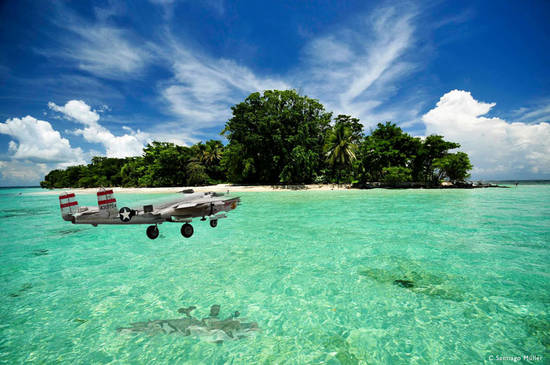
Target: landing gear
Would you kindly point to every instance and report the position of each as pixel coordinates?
(152, 232)
(187, 230)
(213, 223)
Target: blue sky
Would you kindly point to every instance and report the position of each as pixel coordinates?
(79, 79)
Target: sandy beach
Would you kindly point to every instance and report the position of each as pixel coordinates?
(220, 188)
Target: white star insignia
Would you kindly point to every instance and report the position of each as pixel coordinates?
(125, 214)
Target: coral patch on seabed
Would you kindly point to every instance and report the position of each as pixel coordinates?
(409, 275)
(21, 291)
(79, 321)
(404, 283)
(40, 252)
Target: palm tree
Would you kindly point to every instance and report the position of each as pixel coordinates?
(212, 153)
(340, 148)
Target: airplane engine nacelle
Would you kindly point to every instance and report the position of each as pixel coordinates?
(216, 207)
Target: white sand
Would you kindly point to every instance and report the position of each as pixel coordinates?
(220, 188)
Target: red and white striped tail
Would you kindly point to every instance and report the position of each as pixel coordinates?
(106, 199)
(68, 204)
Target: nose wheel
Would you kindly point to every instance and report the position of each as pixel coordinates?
(213, 223)
(187, 230)
(152, 232)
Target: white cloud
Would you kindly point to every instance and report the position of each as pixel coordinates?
(78, 110)
(498, 149)
(174, 134)
(203, 89)
(23, 172)
(355, 70)
(130, 144)
(36, 149)
(97, 47)
(537, 114)
(37, 141)
(105, 52)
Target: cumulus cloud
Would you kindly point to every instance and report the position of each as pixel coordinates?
(130, 144)
(36, 148)
(498, 149)
(77, 110)
(36, 140)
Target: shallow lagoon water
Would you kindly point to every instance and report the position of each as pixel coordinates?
(375, 276)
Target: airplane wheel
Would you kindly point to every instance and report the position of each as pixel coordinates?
(187, 230)
(125, 214)
(152, 232)
(213, 223)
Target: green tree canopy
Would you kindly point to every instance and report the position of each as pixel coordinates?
(353, 124)
(274, 135)
(453, 166)
(162, 164)
(396, 174)
(165, 164)
(432, 148)
(386, 146)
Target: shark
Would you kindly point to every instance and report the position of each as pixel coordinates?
(210, 328)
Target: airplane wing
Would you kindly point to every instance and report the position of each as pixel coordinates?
(186, 205)
(199, 202)
(209, 200)
(196, 202)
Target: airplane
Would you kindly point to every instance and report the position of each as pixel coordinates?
(192, 205)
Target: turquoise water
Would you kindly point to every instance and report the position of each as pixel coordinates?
(316, 270)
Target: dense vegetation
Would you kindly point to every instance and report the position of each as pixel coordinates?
(280, 137)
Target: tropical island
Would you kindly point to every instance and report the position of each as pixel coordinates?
(283, 138)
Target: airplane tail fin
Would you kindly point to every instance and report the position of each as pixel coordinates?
(68, 204)
(106, 200)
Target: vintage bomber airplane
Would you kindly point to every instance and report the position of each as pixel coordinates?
(192, 205)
